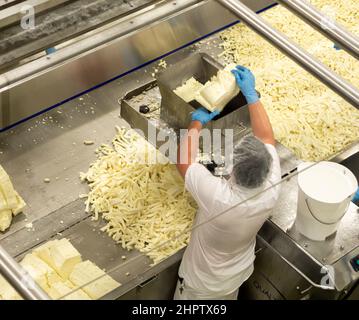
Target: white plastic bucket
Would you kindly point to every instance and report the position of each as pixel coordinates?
(325, 192)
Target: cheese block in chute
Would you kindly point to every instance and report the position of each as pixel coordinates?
(220, 90)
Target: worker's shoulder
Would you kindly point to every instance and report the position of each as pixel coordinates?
(272, 150)
(197, 172)
(275, 173)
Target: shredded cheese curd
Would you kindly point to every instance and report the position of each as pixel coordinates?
(145, 205)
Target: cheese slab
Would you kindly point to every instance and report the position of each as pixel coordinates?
(7, 189)
(220, 90)
(7, 292)
(60, 255)
(189, 89)
(65, 291)
(41, 272)
(41, 263)
(86, 272)
(20, 204)
(10, 201)
(5, 219)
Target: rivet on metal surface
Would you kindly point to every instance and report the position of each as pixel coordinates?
(305, 245)
(298, 288)
(324, 259)
(341, 248)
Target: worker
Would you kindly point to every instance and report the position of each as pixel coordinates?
(220, 254)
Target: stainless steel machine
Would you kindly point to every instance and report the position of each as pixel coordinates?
(105, 52)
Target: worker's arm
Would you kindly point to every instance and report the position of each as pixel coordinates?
(260, 123)
(188, 148)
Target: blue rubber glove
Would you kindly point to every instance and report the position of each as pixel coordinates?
(247, 83)
(203, 116)
(336, 46)
(356, 196)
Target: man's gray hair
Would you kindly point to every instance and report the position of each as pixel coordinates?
(252, 162)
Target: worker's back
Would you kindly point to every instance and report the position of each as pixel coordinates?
(221, 251)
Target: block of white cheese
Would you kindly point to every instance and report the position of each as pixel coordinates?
(60, 255)
(220, 90)
(46, 262)
(40, 272)
(3, 202)
(7, 292)
(66, 291)
(189, 89)
(20, 204)
(7, 189)
(85, 272)
(5, 219)
(43, 252)
(10, 201)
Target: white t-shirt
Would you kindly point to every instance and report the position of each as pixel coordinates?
(221, 250)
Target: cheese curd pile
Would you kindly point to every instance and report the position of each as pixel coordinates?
(307, 117)
(143, 201)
